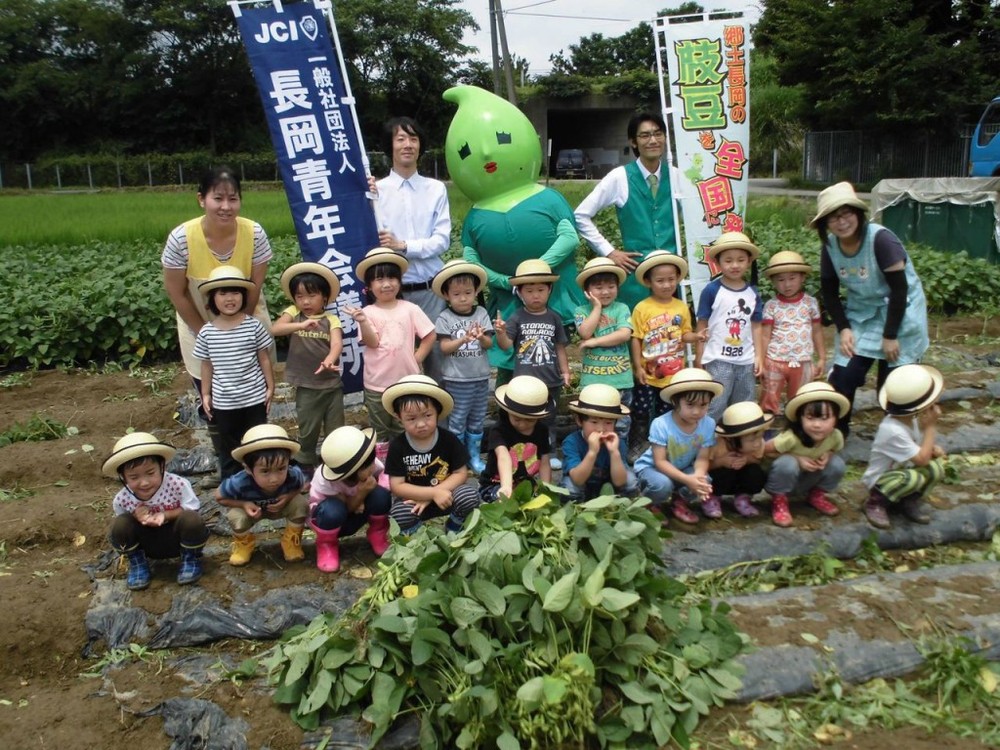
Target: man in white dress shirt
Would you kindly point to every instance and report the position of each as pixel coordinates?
(640, 191)
(414, 220)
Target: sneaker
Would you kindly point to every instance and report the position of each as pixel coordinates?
(745, 507)
(913, 507)
(682, 512)
(711, 507)
(817, 499)
(875, 510)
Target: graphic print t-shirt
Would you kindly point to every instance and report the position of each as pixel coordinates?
(526, 452)
(535, 338)
(426, 468)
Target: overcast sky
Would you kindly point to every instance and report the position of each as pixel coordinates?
(536, 36)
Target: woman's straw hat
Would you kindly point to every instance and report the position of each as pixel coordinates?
(743, 418)
(524, 396)
(731, 241)
(264, 437)
(599, 400)
(380, 255)
(136, 445)
(533, 271)
(816, 391)
(832, 198)
(345, 450)
(691, 379)
(786, 261)
(225, 277)
(317, 268)
(599, 265)
(418, 385)
(910, 388)
(455, 268)
(660, 258)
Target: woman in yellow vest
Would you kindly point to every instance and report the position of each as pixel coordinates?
(219, 237)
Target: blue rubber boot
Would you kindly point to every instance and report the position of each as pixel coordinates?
(474, 441)
(139, 574)
(190, 570)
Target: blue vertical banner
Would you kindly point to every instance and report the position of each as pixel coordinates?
(313, 125)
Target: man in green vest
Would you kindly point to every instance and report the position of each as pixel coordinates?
(640, 191)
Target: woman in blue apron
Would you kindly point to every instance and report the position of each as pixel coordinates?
(883, 316)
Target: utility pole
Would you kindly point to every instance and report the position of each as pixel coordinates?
(495, 48)
(508, 70)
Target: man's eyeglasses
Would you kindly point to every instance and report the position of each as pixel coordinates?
(649, 135)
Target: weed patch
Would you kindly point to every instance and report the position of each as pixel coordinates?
(36, 429)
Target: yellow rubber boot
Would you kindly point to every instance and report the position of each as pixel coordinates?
(243, 547)
(291, 544)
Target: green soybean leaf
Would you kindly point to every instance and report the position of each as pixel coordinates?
(507, 741)
(466, 611)
(490, 595)
(561, 593)
(614, 600)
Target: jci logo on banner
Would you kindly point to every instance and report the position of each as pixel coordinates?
(287, 31)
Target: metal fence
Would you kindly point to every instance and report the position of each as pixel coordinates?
(863, 157)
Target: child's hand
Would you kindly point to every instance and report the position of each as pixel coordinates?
(253, 510)
(594, 442)
(474, 332)
(701, 335)
(811, 464)
(938, 452)
(206, 405)
(758, 365)
(506, 490)
(819, 372)
(929, 417)
(267, 398)
(699, 484)
(356, 313)
(566, 379)
(592, 299)
(418, 506)
(737, 461)
(309, 325)
(586, 344)
(499, 326)
(442, 498)
(611, 440)
(640, 375)
(327, 365)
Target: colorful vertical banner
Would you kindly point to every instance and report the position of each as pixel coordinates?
(310, 114)
(708, 69)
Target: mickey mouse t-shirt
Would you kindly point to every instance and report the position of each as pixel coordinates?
(730, 314)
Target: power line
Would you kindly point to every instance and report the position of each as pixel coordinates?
(531, 5)
(577, 18)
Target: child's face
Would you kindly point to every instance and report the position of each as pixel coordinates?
(534, 296)
(269, 476)
(144, 479)
(385, 289)
(734, 264)
(604, 291)
(309, 303)
(524, 425)
(461, 295)
(752, 443)
(229, 301)
(590, 424)
(360, 476)
(663, 281)
(818, 428)
(788, 284)
(688, 414)
(419, 422)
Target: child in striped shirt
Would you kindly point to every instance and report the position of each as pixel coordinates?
(237, 380)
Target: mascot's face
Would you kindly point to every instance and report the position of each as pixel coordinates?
(491, 147)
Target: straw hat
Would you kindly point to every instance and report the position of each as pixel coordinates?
(524, 396)
(599, 265)
(832, 198)
(816, 391)
(380, 255)
(136, 445)
(533, 271)
(264, 437)
(910, 388)
(455, 268)
(599, 400)
(418, 385)
(786, 261)
(691, 379)
(317, 268)
(743, 418)
(345, 450)
(731, 241)
(225, 277)
(659, 258)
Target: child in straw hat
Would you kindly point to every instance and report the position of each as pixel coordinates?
(595, 454)
(313, 362)
(345, 494)
(156, 512)
(736, 459)
(905, 463)
(806, 454)
(791, 332)
(268, 487)
(427, 464)
(519, 442)
(675, 466)
(730, 310)
(465, 333)
(237, 377)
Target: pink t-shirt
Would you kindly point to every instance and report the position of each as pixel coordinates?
(321, 488)
(791, 321)
(398, 330)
